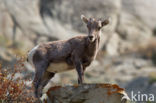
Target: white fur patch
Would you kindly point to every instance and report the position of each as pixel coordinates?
(59, 67)
(100, 33)
(44, 97)
(82, 16)
(31, 54)
(100, 23)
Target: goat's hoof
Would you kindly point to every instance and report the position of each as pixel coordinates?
(44, 97)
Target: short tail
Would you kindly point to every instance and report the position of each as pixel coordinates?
(31, 54)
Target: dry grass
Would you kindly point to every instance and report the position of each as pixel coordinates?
(14, 89)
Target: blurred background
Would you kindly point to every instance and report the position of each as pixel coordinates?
(127, 55)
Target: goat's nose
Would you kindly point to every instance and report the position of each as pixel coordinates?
(91, 37)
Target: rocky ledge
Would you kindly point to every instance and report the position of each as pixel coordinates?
(87, 93)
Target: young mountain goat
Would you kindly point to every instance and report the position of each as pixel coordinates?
(58, 56)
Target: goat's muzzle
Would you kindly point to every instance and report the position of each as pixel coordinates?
(91, 38)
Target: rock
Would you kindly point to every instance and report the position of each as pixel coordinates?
(28, 19)
(132, 29)
(132, 32)
(66, 13)
(117, 69)
(143, 10)
(57, 19)
(68, 16)
(60, 19)
(88, 93)
(141, 85)
(113, 44)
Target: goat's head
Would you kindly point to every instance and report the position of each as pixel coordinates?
(94, 27)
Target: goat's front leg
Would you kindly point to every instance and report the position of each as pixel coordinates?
(80, 71)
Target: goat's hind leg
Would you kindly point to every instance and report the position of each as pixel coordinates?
(45, 79)
(40, 69)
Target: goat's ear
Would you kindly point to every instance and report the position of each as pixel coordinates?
(84, 19)
(105, 22)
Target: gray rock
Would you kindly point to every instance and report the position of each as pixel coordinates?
(132, 29)
(26, 16)
(142, 9)
(140, 86)
(112, 47)
(88, 93)
(60, 19)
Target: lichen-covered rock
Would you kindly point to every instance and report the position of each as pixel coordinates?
(87, 93)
